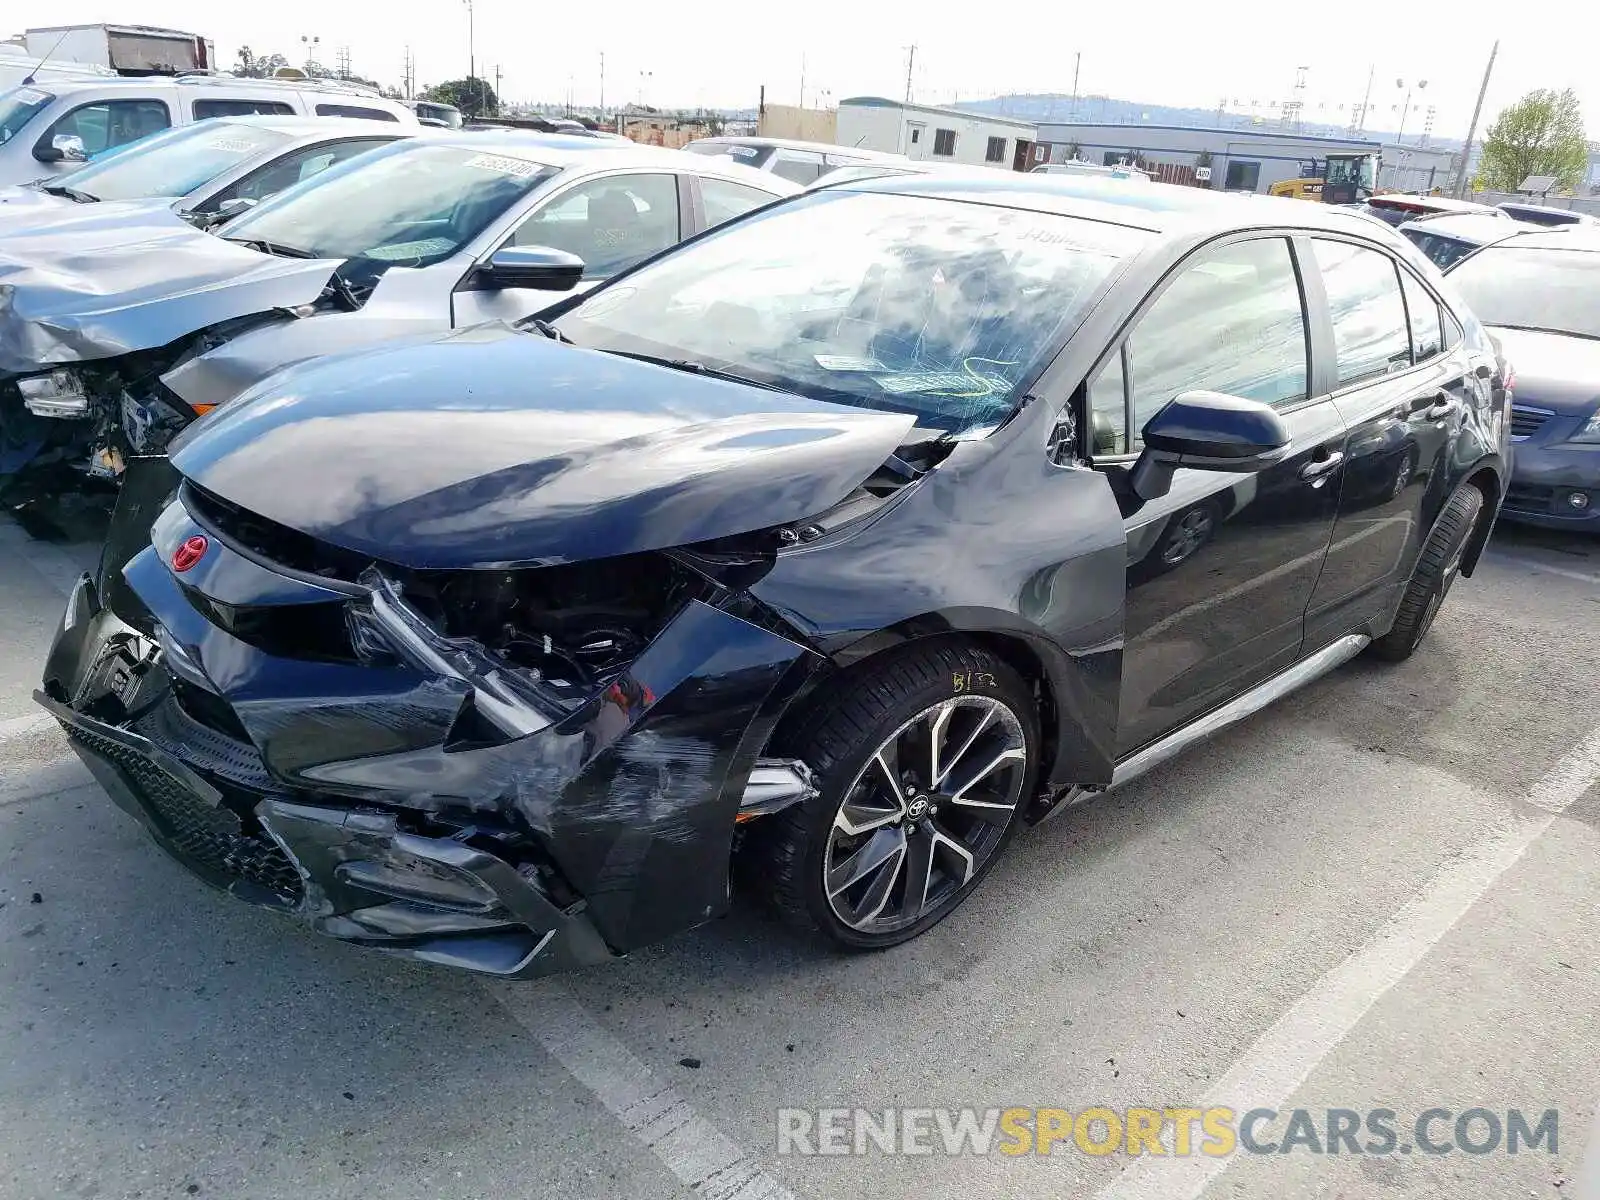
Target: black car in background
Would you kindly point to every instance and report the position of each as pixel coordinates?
(1539, 293)
(824, 553)
(1543, 214)
(1396, 208)
(1445, 240)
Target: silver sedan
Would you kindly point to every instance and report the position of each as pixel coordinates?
(453, 230)
(209, 169)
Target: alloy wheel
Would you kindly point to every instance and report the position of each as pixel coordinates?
(924, 814)
(1188, 535)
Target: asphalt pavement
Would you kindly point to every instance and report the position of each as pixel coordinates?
(1380, 893)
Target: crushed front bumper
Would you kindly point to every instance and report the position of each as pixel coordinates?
(360, 876)
(608, 828)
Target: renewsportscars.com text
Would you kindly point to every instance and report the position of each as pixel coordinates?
(1179, 1130)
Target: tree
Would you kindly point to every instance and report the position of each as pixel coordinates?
(264, 67)
(1541, 134)
(473, 96)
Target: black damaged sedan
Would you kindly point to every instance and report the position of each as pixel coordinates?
(823, 553)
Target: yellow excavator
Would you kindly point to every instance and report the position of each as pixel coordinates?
(1336, 179)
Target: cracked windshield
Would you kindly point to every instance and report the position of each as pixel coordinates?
(909, 304)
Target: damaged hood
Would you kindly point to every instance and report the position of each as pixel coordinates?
(106, 279)
(496, 447)
(226, 372)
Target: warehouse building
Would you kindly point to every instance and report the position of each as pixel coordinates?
(936, 134)
(1236, 160)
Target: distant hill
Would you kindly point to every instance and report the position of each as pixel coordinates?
(1104, 110)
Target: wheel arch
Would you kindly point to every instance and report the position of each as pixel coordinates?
(1077, 727)
(1487, 479)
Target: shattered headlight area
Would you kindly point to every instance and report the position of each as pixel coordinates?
(61, 393)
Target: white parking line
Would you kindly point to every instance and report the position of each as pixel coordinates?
(1279, 1061)
(1533, 564)
(703, 1158)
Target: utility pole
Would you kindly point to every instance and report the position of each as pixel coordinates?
(911, 62)
(1077, 63)
(497, 91)
(602, 87)
(406, 75)
(1472, 129)
(802, 81)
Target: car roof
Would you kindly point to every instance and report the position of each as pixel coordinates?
(566, 150)
(1163, 208)
(311, 127)
(796, 144)
(1432, 203)
(1477, 228)
(1560, 237)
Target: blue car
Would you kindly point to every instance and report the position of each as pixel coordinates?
(1539, 294)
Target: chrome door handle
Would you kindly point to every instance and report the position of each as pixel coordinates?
(1319, 467)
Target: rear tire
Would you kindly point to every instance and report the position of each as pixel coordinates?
(924, 761)
(1436, 569)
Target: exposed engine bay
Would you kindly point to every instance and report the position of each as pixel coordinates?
(567, 630)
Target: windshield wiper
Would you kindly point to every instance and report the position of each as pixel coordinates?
(695, 367)
(71, 193)
(277, 249)
(549, 331)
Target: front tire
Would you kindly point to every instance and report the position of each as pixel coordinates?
(1436, 569)
(924, 761)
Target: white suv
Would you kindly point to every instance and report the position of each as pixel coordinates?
(54, 126)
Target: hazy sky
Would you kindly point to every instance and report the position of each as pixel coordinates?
(718, 53)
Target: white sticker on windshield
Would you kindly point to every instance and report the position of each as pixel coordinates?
(231, 145)
(847, 362)
(505, 166)
(743, 151)
(399, 251)
(29, 96)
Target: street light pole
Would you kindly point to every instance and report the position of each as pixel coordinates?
(1477, 111)
(1406, 107)
(472, 55)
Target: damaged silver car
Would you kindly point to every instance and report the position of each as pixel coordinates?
(119, 323)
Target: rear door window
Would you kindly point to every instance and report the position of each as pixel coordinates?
(1427, 331)
(1370, 333)
(724, 200)
(353, 110)
(205, 109)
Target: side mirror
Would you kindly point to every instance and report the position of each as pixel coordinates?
(1207, 431)
(224, 212)
(539, 267)
(64, 147)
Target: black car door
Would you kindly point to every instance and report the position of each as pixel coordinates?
(1401, 391)
(1220, 569)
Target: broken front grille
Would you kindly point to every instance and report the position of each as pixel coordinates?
(277, 544)
(207, 835)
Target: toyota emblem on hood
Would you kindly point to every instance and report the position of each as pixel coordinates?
(191, 552)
